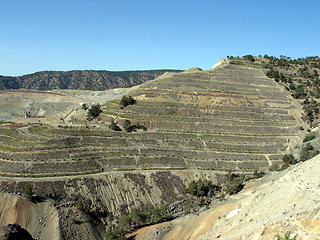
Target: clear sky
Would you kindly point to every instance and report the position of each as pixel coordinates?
(38, 35)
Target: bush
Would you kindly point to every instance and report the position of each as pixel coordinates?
(258, 174)
(249, 58)
(127, 126)
(28, 192)
(94, 111)
(234, 183)
(138, 217)
(289, 158)
(113, 126)
(80, 204)
(274, 167)
(308, 152)
(288, 236)
(126, 100)
(202, 188)
(309, 138)
(84, 107)
(115, 234)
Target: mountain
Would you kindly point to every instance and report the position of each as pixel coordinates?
(84, 80)
(228, 118)
(229, 122)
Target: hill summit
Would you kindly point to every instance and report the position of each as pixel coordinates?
(228, 118)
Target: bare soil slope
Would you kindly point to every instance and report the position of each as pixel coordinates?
(278, 203)
(40, 219)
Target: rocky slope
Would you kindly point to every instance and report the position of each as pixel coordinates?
(279, 203)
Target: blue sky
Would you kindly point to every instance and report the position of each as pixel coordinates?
(38, 35)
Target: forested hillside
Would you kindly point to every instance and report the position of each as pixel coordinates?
(84, 80)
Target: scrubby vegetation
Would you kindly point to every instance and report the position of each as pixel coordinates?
(234, 183)
(249, 58)
(288, 236)
(128, 127)
(94, 111)
(308, 151)
(84, 106)
(202, 188)
(309, 138)
(28, 192)
(126, 101)
(138, 217)
(300, 77)
(113, 126)
(289, 159)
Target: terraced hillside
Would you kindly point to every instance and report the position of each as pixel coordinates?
(227, 118)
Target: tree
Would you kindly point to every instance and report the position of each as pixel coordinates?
(94, 111)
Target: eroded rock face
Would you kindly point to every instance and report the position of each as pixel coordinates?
(14, 232)
(106, 196)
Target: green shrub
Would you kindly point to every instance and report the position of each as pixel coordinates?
(115, 234)
(309, 138)
(234, 183)
(28, 192)
(79, 204)
(202, 188)
(249, 58)
(138, 217)
(84, 107)
(94, 111)
(287, 236)
(113, 126)
(308, 152)
(289, 158)
(126, 101)
(258, 174)
(127, 126)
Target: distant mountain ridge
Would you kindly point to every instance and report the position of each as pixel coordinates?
(80, 79)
